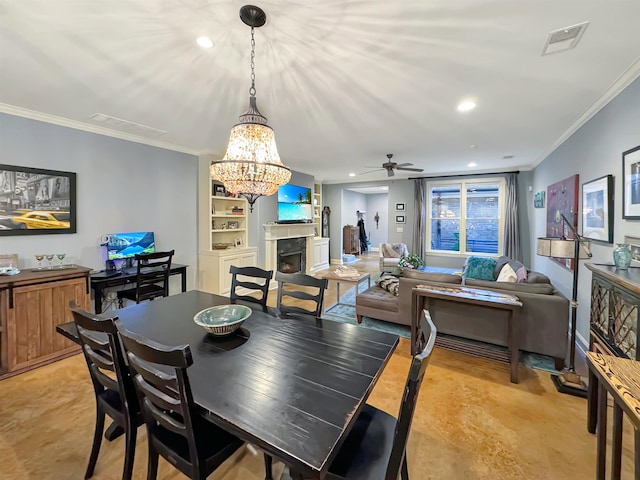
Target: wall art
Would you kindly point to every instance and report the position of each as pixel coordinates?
(597, 209)
(631, 184)
(562, 199)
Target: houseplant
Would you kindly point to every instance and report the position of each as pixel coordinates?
(412, 260)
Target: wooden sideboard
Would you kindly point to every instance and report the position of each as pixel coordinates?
(32, 304)
(613, 329)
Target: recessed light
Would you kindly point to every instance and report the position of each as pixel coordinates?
(204, 42)
(466, 106)
(352, 174)
(473, 145)
(472, 164)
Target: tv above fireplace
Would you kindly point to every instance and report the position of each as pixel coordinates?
(294, 204)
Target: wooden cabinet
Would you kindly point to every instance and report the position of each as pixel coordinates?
(351, 239)
(213, 274)
(320, 253)
(32, 304)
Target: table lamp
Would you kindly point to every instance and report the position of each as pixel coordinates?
(575, 248)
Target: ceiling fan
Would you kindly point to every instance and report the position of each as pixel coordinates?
(390, 166)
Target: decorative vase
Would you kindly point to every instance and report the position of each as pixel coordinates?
(622, 256)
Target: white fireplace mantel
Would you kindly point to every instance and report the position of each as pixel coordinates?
(274, 232)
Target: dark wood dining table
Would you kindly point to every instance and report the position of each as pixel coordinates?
(293, 388)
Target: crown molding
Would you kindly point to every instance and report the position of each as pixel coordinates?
(86, 127)
(618, 85)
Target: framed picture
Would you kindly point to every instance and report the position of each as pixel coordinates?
(562, 199)
(631, 184)
(232, 225)
(36, 201)
(219, 190)
(597, 209)
(400, 219)
(538, 200)
(400, 207)
(237, 242)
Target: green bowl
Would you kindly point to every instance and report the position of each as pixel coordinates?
(222, 319)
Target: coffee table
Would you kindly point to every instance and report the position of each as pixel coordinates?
(423, 294)
(348, 280)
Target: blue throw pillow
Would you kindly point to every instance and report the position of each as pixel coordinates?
(480, 268)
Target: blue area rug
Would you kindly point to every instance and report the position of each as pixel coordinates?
(347, 314)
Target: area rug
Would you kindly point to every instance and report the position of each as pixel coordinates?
(347, 314)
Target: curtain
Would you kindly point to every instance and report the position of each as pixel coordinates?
(420, 214)
(512, 248)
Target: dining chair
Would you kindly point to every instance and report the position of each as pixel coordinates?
(152, 278)
(117, 398)
(287, 283)
(253, 272)
(176, 428)
(375, 449)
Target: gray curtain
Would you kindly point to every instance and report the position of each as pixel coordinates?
(512, 247)
(420, 214)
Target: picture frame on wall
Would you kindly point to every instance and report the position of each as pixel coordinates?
(597, 209)
(631, 184)
(400, 207)
(562, 199)
(36, 201)
(400, 219)
(538, 200)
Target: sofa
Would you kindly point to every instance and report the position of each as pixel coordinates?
(390, 254)
(543, 319)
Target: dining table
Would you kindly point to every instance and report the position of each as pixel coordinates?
(291, 387)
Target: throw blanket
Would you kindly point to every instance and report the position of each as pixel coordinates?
(394, 250)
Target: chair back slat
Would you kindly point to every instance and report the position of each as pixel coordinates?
(166, 398)
(103, 353)
(426, 340)
(286, 288)
(152, 278)
(255, 273)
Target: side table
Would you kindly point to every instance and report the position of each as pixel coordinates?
(349, 280)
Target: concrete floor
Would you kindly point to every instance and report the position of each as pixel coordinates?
(470, 423)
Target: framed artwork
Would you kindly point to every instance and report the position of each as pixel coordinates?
(597, 209)
(36, 201)
(232, 225)
(631, 184)
(219, 190)
(562, 199)
(400, 207)
(400, 219)
(538, 200)
(237, 242)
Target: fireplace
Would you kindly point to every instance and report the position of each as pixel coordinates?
(292, 255)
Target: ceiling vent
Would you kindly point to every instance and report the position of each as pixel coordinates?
(564, 38)
(126, 125)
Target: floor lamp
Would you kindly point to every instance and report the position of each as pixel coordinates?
(575, 248)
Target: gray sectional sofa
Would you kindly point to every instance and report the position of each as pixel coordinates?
(544, 318)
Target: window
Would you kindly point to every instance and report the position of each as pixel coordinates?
(466, 216)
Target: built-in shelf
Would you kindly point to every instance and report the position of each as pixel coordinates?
(220, 230)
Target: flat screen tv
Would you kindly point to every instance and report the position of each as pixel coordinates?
(294, 204)
(127, 245)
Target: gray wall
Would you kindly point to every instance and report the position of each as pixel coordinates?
(121, 187)
(400, 191)
(377, 203)
(593, 151)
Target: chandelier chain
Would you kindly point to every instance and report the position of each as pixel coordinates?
(252, 90)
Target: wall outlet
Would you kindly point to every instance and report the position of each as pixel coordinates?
(399, 229)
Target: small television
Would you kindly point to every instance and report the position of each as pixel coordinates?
(127, 245)
(294, 204)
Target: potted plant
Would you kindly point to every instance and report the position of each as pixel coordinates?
(411, 261)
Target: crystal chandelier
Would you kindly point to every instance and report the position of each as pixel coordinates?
(252, 166)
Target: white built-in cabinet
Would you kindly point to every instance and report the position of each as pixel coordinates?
(222, 223)
(320, 253)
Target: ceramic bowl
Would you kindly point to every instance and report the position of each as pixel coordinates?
(222, 319)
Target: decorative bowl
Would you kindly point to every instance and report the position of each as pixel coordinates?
(220, 246)
(222, 319)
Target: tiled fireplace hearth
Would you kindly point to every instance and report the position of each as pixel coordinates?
(287, 255)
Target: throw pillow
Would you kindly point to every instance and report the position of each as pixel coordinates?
(535, 277)
(389, 283)
(480, 268)
(507, 275)
(519, 269)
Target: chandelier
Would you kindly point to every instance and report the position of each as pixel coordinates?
(252, 166)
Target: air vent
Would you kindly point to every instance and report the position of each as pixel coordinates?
(564, 38)
(508, 157)
(126, 125)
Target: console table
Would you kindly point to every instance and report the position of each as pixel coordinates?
(615, 302)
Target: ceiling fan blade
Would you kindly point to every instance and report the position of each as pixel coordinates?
(371, 171)
(403, 165)
(377, 166)
(390, 172)
(411, 169)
